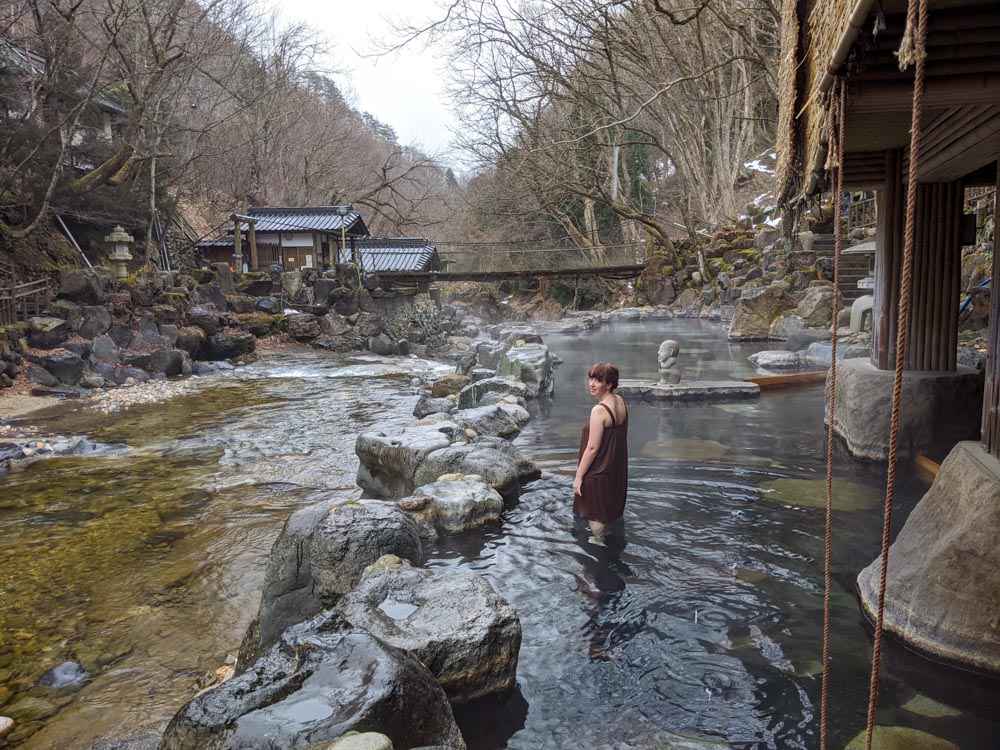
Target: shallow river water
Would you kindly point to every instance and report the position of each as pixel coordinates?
(704, 616)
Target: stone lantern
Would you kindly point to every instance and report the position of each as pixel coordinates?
(120, 256)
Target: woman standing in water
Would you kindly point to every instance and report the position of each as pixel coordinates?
(602, 475)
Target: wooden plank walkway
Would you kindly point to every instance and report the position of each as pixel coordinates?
(767, 382)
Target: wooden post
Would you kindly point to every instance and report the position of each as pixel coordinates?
(991, 396)
(252, 235)
(237, 244)
(888, 252)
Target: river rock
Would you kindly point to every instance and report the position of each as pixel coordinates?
(499, 420)
(776, 361)
(6, 726)
(47, 333)
(322, 679)
(63, 675)
(228, 345)
(488, 354)
(389, 462)
(204, 318)
(820, 354)
(532, 365)
(122, 374)
(302, 326)
(795, 332)
(368, 325)
(816, 307)
(472, 395)
(381, 345)
(427, 406)
(269, 305)
(65, 367)
(499, 463)
(452, 621)
(340, 343)
(95, 320)
(168, 361)
(756, 310)
(320, 555)
(456, 504)
(356, 741)
(449, 385)
(68, 311)
(942, 590)
(291, 282)
(86, 286)
(104, 351)
(333, 324)
(508, 334)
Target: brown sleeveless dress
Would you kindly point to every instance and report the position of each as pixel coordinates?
(605, 484)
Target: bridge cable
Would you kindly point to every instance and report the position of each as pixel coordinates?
(913, 49)
(836, 134)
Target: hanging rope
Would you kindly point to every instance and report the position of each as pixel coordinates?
(837, 143)
(918, 9)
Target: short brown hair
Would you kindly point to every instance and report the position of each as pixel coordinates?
(605, 373)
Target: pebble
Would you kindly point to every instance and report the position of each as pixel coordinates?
(153, 392)
(6, 726)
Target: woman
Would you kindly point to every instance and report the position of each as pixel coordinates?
(602, 475)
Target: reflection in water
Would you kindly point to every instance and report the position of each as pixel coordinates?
(702, 617)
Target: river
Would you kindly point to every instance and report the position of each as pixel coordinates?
(704, 616)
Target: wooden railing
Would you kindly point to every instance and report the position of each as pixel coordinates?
(22, 301)
(862, 214)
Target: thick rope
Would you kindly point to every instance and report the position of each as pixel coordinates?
(837, 142)
(897, 387)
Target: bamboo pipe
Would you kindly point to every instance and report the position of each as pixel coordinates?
(854, 25)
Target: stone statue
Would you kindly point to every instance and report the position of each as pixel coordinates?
(666, 360)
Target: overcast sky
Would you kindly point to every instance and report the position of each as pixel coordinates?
(405, 90)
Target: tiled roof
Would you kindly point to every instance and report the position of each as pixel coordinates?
(306, 219)
(386, 254)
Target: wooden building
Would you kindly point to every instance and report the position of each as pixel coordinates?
(855, 48)
(903, 98)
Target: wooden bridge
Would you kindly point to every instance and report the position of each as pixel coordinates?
(425, 278)
(21, 300)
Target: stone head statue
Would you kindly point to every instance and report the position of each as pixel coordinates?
(666, 360)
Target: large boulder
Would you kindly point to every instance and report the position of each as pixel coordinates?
(302, 326)
(389, 462)
(473, 394)
(291, 283)
(95, 320)
(796, 333)
(502, 419)
(65, 367)
(205, 318)
(86, 286)
(532, 365)
(320, 555)
(228, 345)
(499, 463)
(167, 361)
(333, 324)
(48, 333)
(488, 354)
(255, 284)
(756, 310)
(104, 351)
(68, 311)
(324, 678)
(942, 591)
(816, 308)
(452, 621)
(455, 504)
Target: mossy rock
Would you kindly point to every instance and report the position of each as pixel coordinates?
(667, 270)
(901, 738)
(262, 324)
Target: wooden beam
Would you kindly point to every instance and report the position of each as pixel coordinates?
(252, 236)
(888, 96)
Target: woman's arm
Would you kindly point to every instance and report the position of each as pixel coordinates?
(597, 416)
